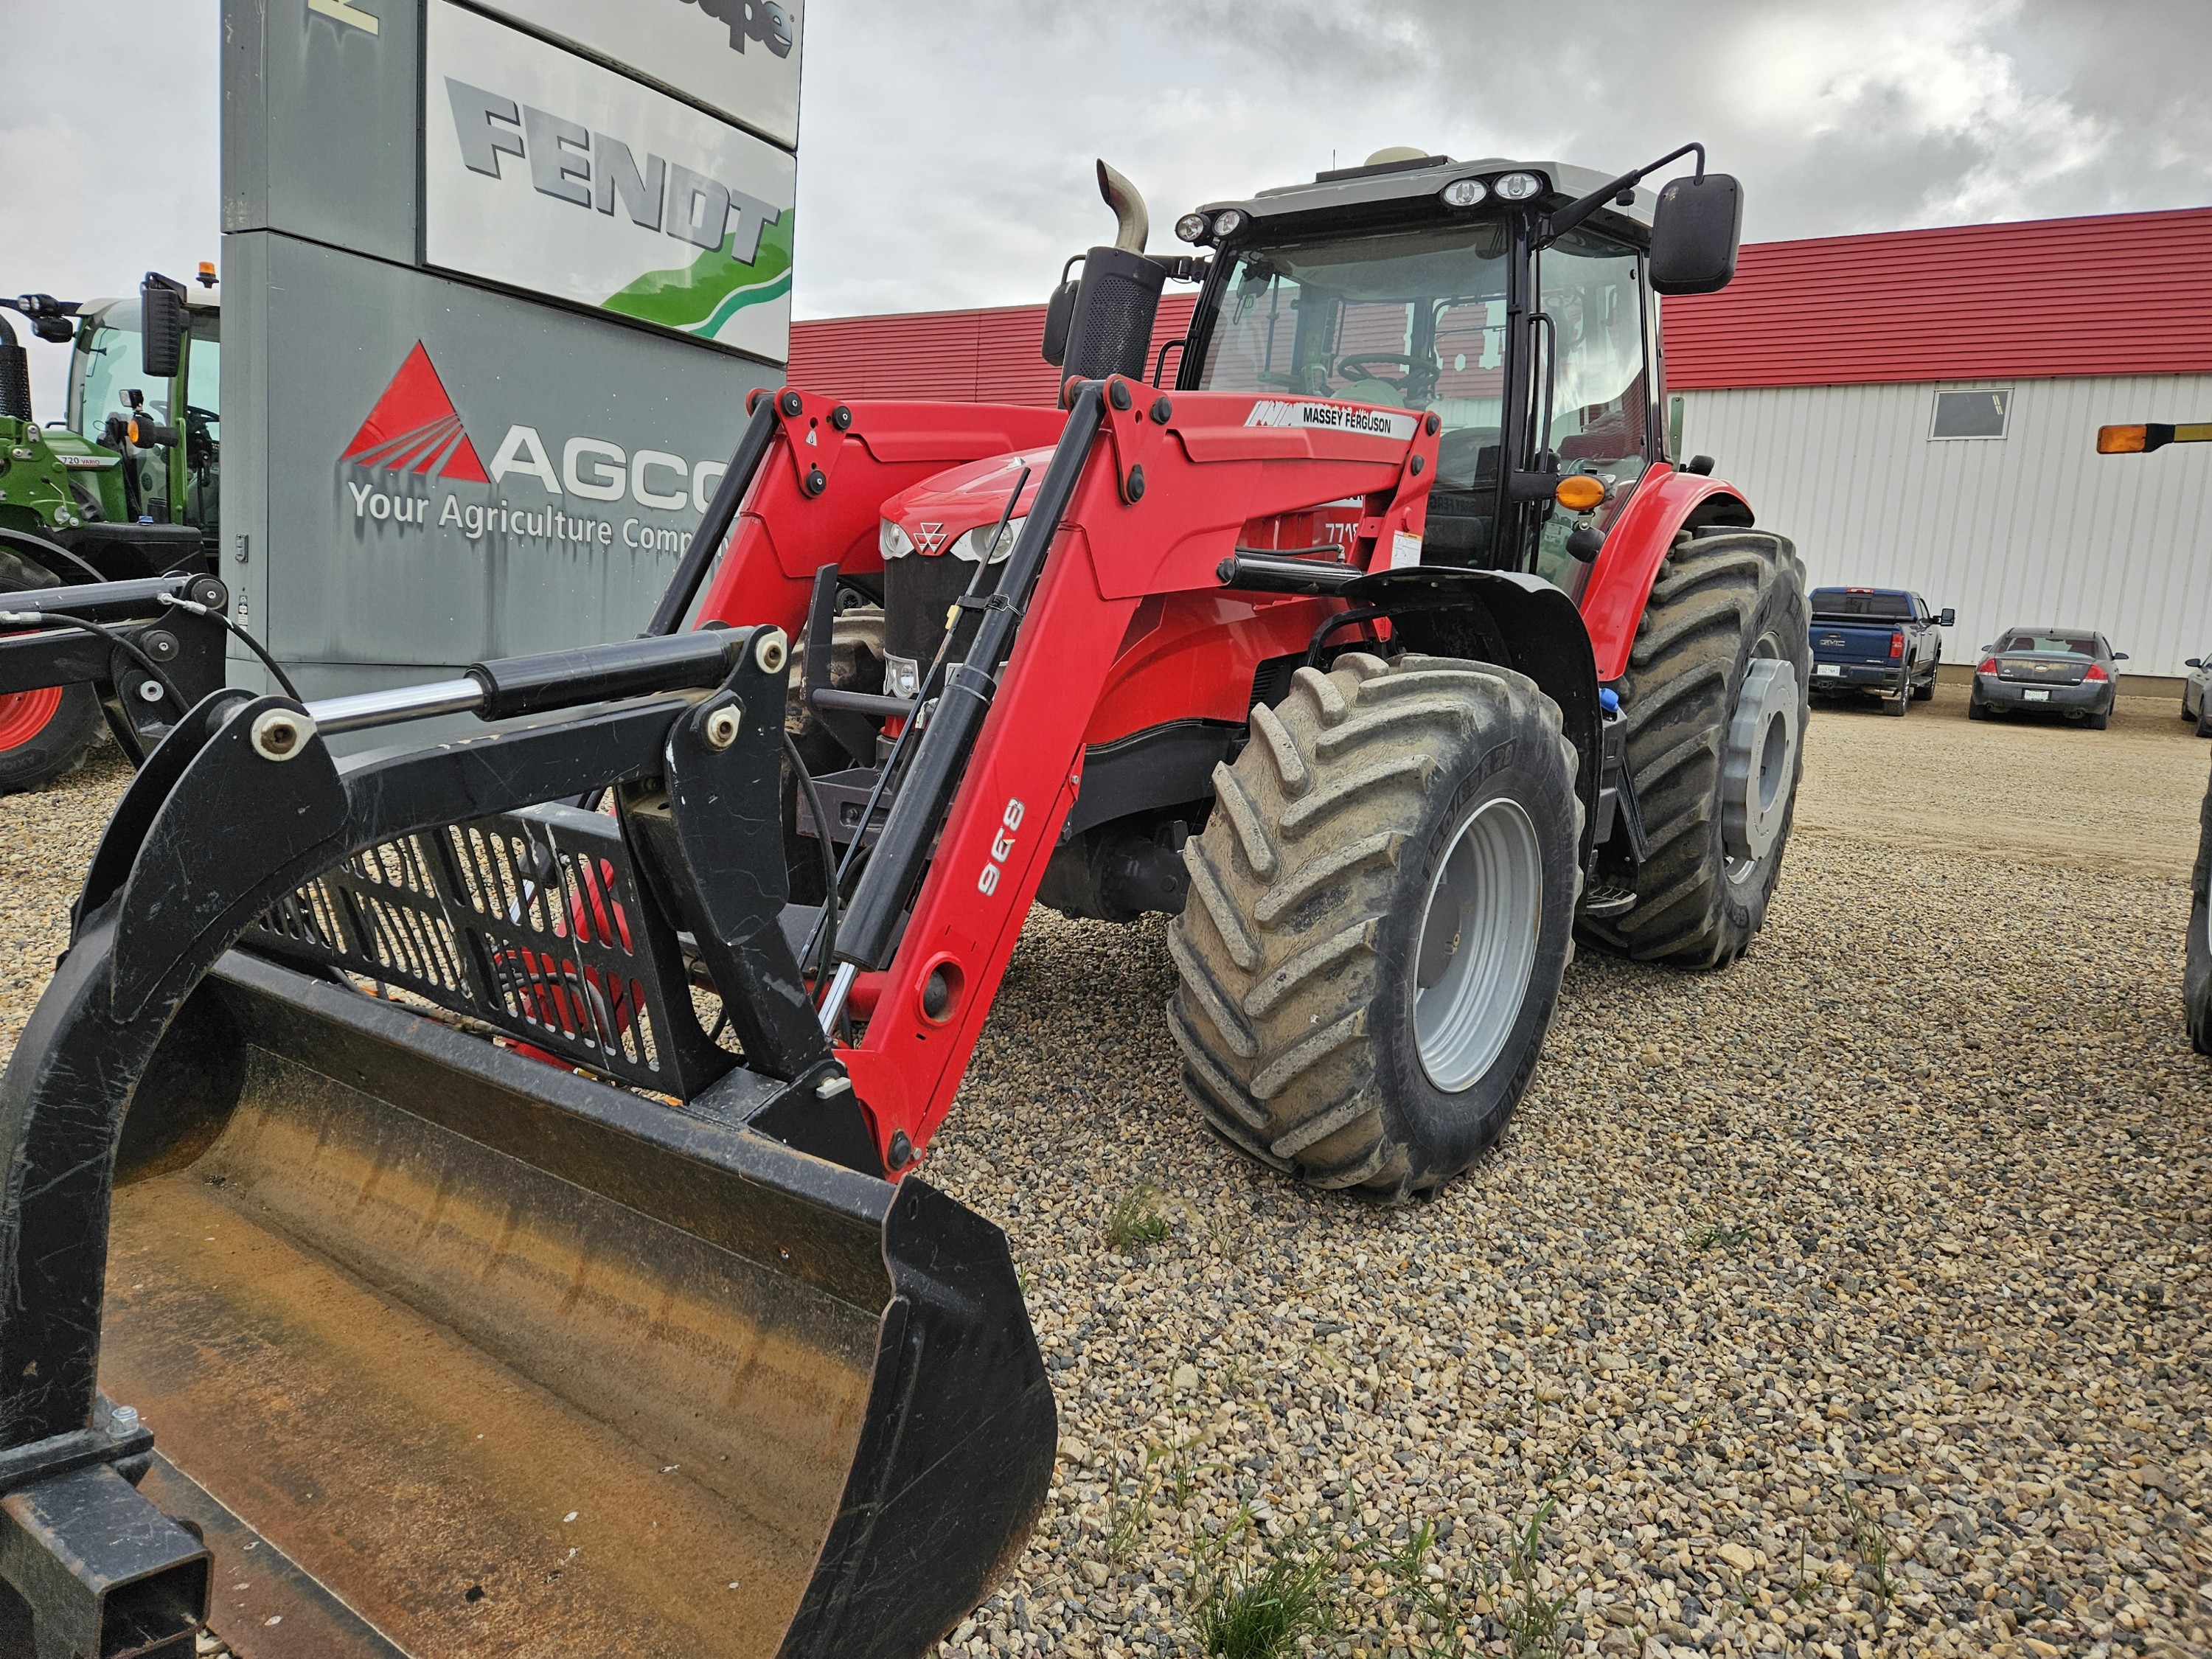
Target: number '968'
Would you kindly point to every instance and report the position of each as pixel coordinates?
(1002, 846)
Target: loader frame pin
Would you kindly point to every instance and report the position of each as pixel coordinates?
(281, 734)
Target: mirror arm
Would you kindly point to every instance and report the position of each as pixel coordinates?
(1559, 224)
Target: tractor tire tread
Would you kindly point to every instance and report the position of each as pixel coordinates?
(1278, 960)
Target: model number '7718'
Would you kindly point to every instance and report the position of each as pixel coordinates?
(1002, 848)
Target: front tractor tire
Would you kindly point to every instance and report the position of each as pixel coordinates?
(1716, 700)
(1381, 911)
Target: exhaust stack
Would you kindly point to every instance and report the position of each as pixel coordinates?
(1131, 223)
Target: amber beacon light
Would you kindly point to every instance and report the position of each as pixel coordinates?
(2141, 440)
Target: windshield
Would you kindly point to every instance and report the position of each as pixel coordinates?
(1843, 603)
(1408, 319)
(105, 366)
(2079, 645)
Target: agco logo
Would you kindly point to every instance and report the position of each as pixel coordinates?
(414, 433)
(415, 428)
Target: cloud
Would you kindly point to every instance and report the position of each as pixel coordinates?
(974, 127)
(947, 148)
(109, 129)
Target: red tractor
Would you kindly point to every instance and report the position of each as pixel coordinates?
(1383, 650)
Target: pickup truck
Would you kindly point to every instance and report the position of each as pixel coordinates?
(1883, 642)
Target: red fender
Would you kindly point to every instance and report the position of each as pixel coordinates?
(1638, 544)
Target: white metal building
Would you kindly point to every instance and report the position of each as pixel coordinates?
(1827, 381)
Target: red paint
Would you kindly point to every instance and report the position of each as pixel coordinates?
(415, 428)
(1128, 627)
(24, 714)
(1638, 544)
(2116, 293)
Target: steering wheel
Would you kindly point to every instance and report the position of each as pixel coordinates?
(1353, 367)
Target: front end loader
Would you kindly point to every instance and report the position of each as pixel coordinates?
(491, 1165)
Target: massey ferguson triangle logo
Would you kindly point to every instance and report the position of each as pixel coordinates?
(415, 429)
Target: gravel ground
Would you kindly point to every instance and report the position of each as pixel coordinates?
(1846, 1302)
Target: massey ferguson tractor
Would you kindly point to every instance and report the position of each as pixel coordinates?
(489, 1164)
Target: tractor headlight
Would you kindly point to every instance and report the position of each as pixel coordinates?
(1191, 227)
(892, 541)
(1227, 222)
(1518, 186)
(1464, 192)
(970, 546)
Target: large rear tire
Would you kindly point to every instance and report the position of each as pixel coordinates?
(1381, 911)
(1716, 703)
(46, 732)
(2196, 977)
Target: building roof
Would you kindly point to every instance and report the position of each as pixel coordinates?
(2116, 293)
(967, 357)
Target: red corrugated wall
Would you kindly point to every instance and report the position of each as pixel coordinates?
(966, 356)
(2118, 294)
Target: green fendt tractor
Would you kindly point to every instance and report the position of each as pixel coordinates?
(127, 486)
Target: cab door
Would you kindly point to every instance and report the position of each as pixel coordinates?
(1592, 297)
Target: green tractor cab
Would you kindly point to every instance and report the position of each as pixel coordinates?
(127, 488)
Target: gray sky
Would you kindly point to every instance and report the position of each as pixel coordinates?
(945, 148)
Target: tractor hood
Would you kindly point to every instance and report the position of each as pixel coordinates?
(937, 512)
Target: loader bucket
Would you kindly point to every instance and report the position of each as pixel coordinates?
(446, 1350)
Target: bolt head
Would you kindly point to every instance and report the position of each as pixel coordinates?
(771, 650)
(723, 725)
(790, 404)
(1117, 392)
(1136, 485)
(842, 418)
(150, 692)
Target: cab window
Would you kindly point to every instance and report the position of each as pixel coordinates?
(1593, 300)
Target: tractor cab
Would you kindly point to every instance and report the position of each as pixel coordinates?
(161, 412)
(1513, 299)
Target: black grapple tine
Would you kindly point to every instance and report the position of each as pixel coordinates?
(335, 1247)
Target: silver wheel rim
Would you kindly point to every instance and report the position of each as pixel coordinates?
(1477, 945)
(1759, 761)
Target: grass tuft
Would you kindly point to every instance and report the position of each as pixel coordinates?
(1246, 1610)
(1136, 1221)
(1729, 1238)
(1870, 1543)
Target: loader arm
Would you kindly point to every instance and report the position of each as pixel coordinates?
(1160, 488)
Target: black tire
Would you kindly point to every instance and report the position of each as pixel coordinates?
(2196, 977)
(2100, 721)
(1975, 709)
(1299, 950)
(1722, 604)
(36, 755)
(2204, 717)
(1925, 693)
(1896, 706)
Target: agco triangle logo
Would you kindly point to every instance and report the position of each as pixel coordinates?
(415, 428)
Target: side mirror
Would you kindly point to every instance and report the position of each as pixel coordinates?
(1058, 312)
(1694, 234)
(1700, 465)
(1947, 619)
(2193, 662)
(161, 326)
(2119, 656)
